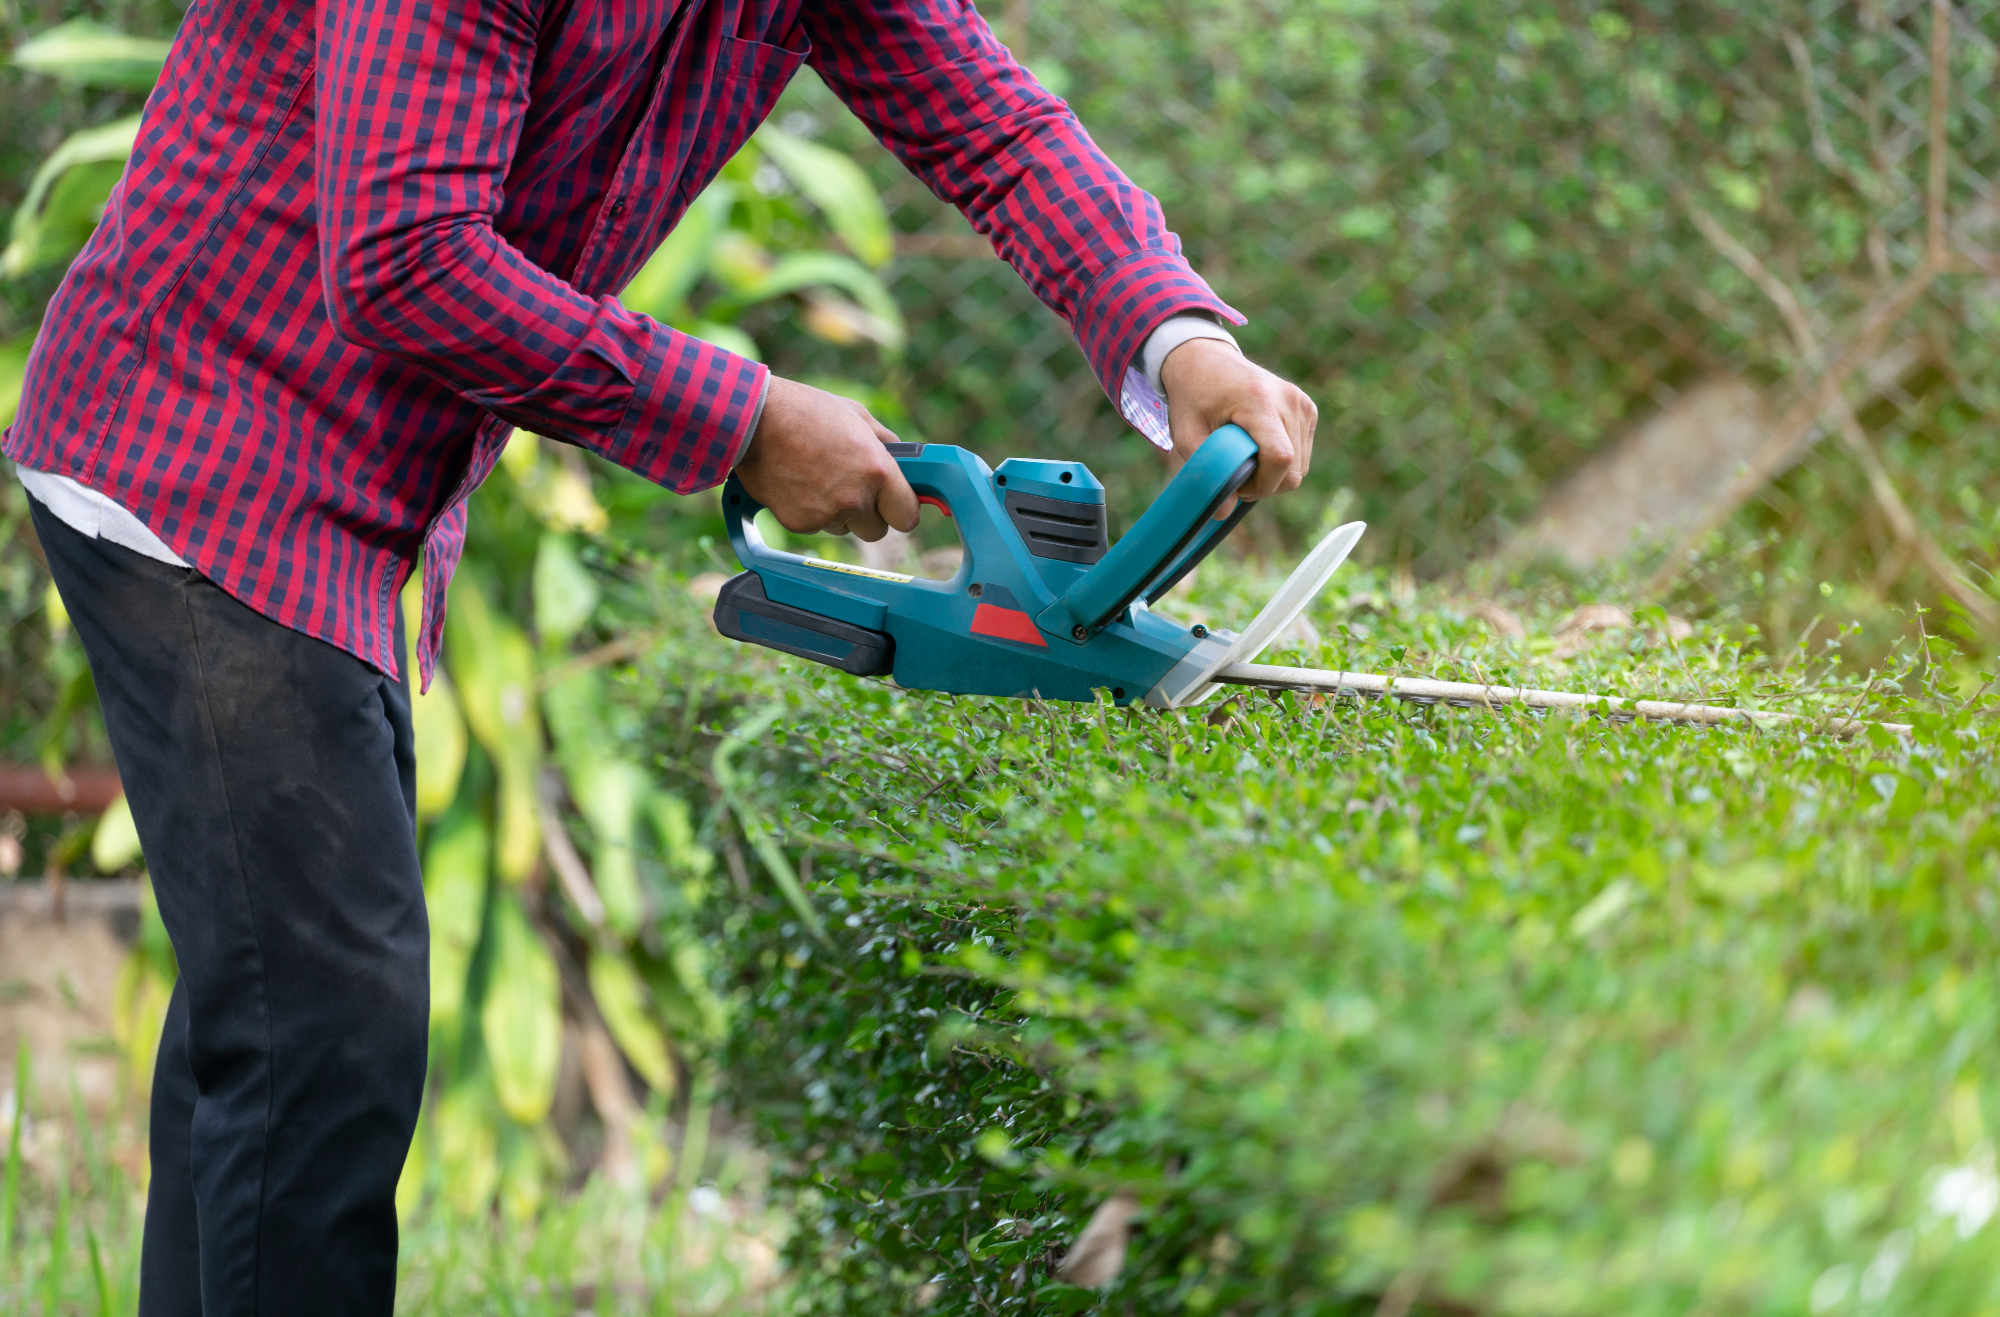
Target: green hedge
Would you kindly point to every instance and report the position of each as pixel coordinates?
(1515, 1014)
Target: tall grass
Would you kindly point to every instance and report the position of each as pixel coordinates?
(72, 1210)
(69, 1212)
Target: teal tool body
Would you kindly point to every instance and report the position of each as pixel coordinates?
(1042, 606)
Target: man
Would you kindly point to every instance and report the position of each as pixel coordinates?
(355, 246)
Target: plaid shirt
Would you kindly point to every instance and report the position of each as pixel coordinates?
(358, 242)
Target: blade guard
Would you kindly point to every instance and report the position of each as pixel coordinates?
(1193, 679)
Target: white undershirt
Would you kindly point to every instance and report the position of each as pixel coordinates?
(93, 514)
(88, 512)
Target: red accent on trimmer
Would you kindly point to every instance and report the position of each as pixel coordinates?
(1006, 624)
(937, 503)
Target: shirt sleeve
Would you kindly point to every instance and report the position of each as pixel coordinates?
(419, 106)
(938, 89)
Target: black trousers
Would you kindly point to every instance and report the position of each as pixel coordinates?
(273, 781)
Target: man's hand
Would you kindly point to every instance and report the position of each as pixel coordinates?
(818, 463)
(1210, 384)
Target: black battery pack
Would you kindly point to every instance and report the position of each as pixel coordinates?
(742, 612)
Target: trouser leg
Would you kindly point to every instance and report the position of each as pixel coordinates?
(272, 781)
(170, 1253)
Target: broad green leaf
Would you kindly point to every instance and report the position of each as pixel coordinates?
(494, 666)
(609, 793)
(739, 261)
(138, 1012)
(839, 188)
(621, 998)
(531, 1159)
(559, 496)
(67, 215)
(565, 594)
(797, 271)
(838, 320)
(439, 730)
(774, 533)
(57, 611)
(88, 54)
(154, 946)
(455, 868)
(522, 452)
(564, 501)
(467, 1129)
(436, 723)
(578, 718)
(66, 195)
(679, 262)
(727, 337)
(416, 1169)
(673, 824)
(115, 843)
(13, 374)
(521, 1018)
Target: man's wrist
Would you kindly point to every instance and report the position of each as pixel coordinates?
(1172, 333)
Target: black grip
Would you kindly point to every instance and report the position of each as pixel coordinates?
(744, 612)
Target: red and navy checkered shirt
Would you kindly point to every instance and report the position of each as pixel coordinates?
(360, 240)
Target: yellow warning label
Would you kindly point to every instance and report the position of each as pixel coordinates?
(852, 570)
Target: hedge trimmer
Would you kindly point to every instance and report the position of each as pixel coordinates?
(1042, 606)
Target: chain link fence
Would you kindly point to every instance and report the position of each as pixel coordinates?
(1557, 273)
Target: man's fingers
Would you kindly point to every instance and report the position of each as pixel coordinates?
(889, 500)
(866, 526)
(800, 521)
(1305, 422)
(1276, 456)
(897, 502)
(882, 432)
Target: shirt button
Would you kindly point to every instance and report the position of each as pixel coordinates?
(618, 207)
